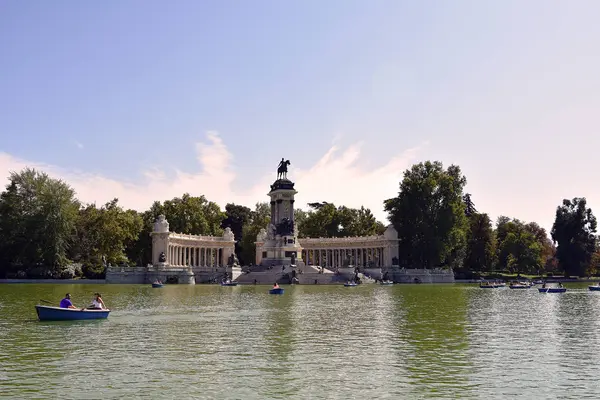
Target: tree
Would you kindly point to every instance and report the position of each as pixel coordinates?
(106, 232)
(429, 215)
(480, 243)
(327, 220)
(37, 221)
(469, 206)
(259, 219)
(194, 215)
(236, 217)
(300, 217)
(574, 232)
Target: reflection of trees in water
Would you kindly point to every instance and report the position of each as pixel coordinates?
(434, 342)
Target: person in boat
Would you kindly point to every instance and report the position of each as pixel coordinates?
(97, 303)
(66, 302)
(275, 286)
(560, 284)
(544, 285)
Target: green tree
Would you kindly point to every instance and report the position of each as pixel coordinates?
(327, 220)
(480, 243)
(300, 217)
(520, 246)
(429, 215)
(140, 250)
(574, 231)
(105, 232)
(37, 221)
(236, 217)
(260, 218)
(194, 215)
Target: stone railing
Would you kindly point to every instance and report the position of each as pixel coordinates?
(184, 236)
(350, 239)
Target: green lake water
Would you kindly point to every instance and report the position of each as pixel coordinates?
(313, 342)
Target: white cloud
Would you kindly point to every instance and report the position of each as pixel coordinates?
(79, 145)
(339, 177)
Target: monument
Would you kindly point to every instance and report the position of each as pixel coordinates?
(280, 237)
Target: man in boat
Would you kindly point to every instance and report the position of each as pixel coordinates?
(275, 286)
(66, 302)
(97, 303)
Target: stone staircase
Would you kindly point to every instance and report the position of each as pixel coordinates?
(306, 275)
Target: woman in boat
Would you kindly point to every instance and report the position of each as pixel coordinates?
(275, 286)
(97, 303)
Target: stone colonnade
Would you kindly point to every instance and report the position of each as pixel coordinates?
(358, 257)
(367, 251)
(170, 249)
(196, 255)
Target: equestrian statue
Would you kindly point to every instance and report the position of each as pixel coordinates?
(282, 168)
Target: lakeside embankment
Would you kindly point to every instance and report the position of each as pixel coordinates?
(64, 281)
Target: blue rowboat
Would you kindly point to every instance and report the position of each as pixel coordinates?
(229, 284)
(552, 290)
(387, 283)
(276, 291)
(349, 284)
(46, 313)
(594, 288)
(157, 285)
(489, 286)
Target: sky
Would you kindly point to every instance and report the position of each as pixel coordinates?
(145, 100)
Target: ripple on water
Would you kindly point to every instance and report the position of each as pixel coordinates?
(413, 341)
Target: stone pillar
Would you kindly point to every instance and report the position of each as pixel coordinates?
(160, 239)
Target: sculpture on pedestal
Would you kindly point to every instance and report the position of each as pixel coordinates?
(282, 168)
(161, 224)
(233, 261)
(162, 257)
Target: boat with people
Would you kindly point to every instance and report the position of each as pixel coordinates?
(50, 313)
(387, 283)
(229, 283)
(552, 290)
(519, 286)
(276, 289)
(594, 288)
(157, 284)
(350, 284)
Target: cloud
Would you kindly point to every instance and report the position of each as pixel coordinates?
(79, 145)
(340, 176)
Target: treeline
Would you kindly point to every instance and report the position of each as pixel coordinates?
(439, 226)
(45, 231)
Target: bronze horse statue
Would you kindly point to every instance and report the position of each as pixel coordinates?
(282, 169)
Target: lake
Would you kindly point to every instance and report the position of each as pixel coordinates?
(378, 342)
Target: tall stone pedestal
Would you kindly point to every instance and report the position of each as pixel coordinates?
(278, 245)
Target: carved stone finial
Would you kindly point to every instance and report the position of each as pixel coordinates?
(262, 235)
(228, 234)
(161, 224)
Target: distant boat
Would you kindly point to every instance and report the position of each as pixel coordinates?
(276, 291)
(157, 285)
(387, 283)
(350, 284)
(594, 288)
(229, 283)
(519, 286)
(552, 290)
(489, 286)
(47, 313)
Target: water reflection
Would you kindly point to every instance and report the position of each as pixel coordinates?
(434, 329)
(402, 341)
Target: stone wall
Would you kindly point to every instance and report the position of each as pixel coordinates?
(404, 275)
